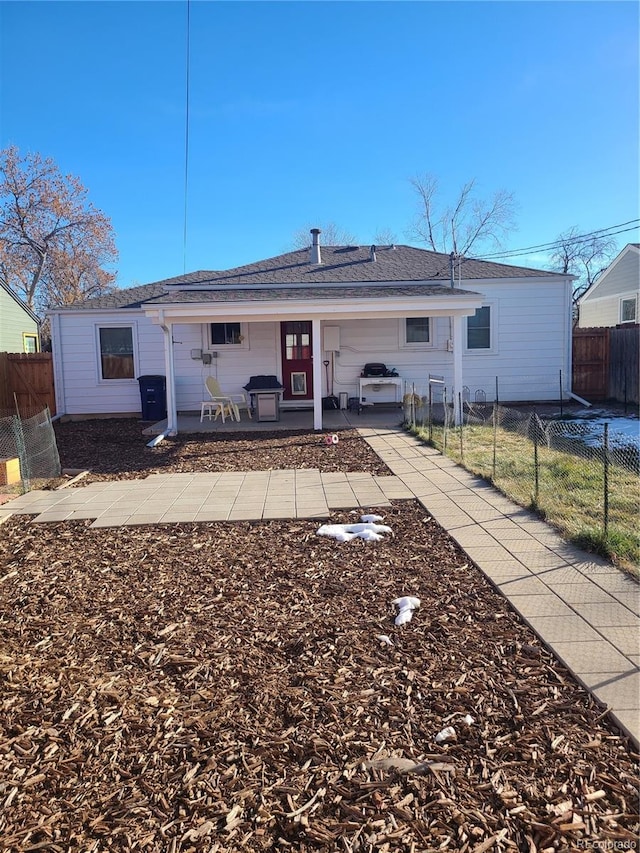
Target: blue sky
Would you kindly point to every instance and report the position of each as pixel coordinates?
(307, 112)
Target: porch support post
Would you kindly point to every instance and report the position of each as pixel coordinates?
(317, 373)
(457, 367)
(172, 414)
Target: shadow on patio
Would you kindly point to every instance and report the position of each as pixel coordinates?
(189, 422)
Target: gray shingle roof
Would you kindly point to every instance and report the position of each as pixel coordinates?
(349, 265)
(266, 294)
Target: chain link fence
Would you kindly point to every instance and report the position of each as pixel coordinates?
(583, 477)
(28, 451)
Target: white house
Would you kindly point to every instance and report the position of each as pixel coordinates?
(612, 299)
(314, 318)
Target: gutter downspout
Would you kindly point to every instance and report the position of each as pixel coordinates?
(569, 341)
(172, 415)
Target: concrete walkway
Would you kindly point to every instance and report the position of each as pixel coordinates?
(581, 607)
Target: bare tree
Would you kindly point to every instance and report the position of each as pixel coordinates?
(53, 242)
(585, 257)
(467, 224)
(331, 235)
(385, 237)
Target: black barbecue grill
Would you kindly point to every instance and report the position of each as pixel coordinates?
(377, 368)
(263, 383)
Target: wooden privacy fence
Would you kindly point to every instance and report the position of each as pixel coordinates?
(606, 363)
(26, 380)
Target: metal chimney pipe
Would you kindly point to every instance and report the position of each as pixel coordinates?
(315, 256)
(372, 254)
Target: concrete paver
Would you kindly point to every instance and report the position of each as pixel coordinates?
(581, 607)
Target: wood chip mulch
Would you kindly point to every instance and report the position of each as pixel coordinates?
(116, 449)
(223, 687)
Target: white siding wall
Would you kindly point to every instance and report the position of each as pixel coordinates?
(600, 312)
(601, 306)
(232, 367)
(363, 341)
(530, 333)
(13, 323)
(77, 352)
(532, 342)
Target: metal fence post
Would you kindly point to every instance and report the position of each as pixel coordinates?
(605, 442)
(495, 440)
(444, 421)
(536, 480)
(461, 426)
(412, 408)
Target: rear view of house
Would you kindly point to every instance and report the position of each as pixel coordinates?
(314, 318)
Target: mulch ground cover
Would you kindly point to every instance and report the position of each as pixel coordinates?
(223, 687)
(116, 449)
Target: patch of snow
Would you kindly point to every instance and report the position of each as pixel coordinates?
(367, 530)
(406, 605)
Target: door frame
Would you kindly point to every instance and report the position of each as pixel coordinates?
(287, 396)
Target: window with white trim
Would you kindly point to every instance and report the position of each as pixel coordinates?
(628, 310)
(116, 352)
(479, 329)
(225, 334)
(415, 332)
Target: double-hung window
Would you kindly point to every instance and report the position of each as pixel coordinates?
(479, 329)
(116, 352)
(415, 332)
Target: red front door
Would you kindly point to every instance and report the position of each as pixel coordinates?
(297, 364)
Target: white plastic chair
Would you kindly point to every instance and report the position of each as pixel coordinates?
(236, 401)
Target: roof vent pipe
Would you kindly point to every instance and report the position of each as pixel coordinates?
(372, 254)
(315, 246)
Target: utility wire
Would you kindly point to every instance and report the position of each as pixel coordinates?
(579, 238)
(546, 247)
(186, 139)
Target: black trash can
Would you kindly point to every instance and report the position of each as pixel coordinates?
(153, 396)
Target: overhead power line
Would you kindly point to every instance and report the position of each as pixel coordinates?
(186, 140)
(556, 244)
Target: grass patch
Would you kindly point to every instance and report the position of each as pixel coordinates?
(569, 492)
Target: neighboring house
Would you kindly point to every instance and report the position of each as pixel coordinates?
(314, 318)
(19, 326)
(612, 299)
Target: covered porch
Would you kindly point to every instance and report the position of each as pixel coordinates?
(317, 309)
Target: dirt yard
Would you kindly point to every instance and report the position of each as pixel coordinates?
(224, 687)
